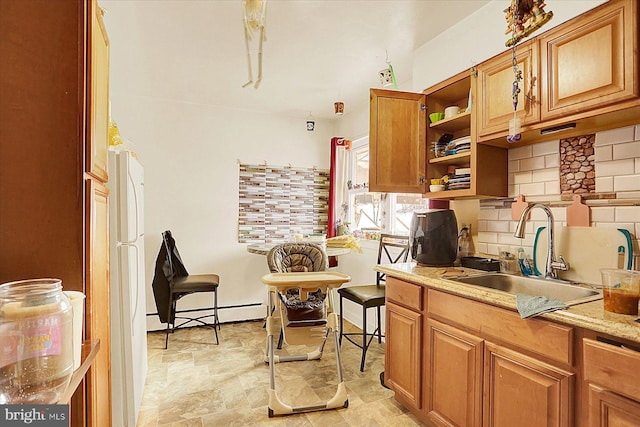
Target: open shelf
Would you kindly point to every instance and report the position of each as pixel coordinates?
(453, 159)
(89, 351)
(452, 124)
(449, 194)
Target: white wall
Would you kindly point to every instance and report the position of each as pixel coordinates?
(190, 153)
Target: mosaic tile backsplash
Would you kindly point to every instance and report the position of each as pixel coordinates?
(276, 201)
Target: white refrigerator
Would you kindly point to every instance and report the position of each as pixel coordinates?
(127, 288)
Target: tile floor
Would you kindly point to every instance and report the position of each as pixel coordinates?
(197, 383)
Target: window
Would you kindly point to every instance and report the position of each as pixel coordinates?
(369, 213)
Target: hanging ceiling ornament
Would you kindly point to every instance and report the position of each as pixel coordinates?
(311, 124)
(255, 19)
(523, 18)
(387, 76)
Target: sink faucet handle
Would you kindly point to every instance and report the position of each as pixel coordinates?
(561, 264)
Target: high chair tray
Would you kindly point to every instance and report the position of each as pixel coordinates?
(300, 279)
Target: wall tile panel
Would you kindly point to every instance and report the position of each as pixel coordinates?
(552, 160)
(550, 147)
(626, 183)
(628, 150)
(603, 214)
(520, 152)
(615, 167)
(532, 163)
(615, 136)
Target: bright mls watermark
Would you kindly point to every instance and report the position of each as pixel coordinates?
(34, 415)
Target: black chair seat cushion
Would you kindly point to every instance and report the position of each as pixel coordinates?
(367, 295)
(311, 309)
(195, 283)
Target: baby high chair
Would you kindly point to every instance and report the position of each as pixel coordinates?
(301, 300)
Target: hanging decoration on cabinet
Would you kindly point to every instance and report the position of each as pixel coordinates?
(255, 19)
(514, 124)
(523, 18)
(387, 76)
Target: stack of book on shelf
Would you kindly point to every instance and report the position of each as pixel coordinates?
(460, 180)
(459, 145)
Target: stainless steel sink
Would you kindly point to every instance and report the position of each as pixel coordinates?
(570, 294)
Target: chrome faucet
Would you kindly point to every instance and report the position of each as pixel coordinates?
(552, 264)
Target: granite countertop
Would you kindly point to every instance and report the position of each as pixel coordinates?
(590, 315)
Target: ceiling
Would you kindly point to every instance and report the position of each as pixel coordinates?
(316, 51)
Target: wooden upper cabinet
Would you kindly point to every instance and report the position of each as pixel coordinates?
(580, 77)
(98, 97)
(591, 62)
(494, 91)
(397, 141)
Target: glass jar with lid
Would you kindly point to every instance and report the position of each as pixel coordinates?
(36, 351)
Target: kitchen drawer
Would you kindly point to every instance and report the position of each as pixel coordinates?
(404, 293)
(612, 367)
(537, 335)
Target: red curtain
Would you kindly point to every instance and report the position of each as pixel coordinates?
(335, 143)
(331, 223)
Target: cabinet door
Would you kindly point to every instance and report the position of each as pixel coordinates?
(397, 141)
(495, 83)
(97, 291)
(590, 63)
(403, 352)
(608, 409)
(521, 391)
(98, 102)
(453, 376)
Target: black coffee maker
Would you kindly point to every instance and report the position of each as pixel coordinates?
(433, 237)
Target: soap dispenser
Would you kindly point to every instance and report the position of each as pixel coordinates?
(463, 242)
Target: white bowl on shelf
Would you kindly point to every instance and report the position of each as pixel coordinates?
(436, 188)
(449, 112)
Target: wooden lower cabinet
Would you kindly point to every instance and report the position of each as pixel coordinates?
(470, 373)
(96, 318)
(611, 375)
(522, 391)
(454, 376)
(403, 355)
(607, 409)
(454, 361)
